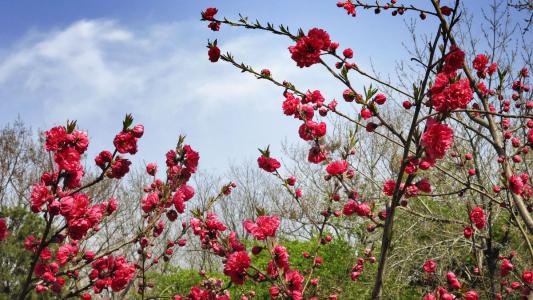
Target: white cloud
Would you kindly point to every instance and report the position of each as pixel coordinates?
(97, 70)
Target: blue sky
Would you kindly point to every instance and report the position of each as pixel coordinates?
(95, 61)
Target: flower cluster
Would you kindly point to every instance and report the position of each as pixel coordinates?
(268, 164)
(67, 146)
(518, 184)
(307, 50)
(209, 15)
(437, 139)
(477, 216)
(111, 272)
(58, 194)
(263, 227)
(348, 6)
(449, 93)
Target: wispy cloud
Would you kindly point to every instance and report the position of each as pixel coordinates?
(97, 70)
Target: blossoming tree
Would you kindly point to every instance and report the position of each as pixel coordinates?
(456, 96)
(467, 134)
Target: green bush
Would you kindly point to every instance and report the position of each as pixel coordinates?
(14, 259)
(334, 274)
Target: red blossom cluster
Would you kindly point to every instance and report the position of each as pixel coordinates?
(307, 50)
(263, 227)
(437, 139)
(348, 6)
(304, 109)
(477, 216)
(3, 229)
(449, 93)
(58, 194)
(111, 272)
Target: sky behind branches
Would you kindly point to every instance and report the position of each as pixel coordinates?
(95, 61)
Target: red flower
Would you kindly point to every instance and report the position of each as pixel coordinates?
(212, 223)
(348, 95)
(445, 10)
(506, 267)
(317, 154)
(209, 13)
(454, 60)
(213, 53)
(468, 231)
(103, 158)
(151, 201)
(274, 292)
(39, 196)
(191, 159)
(265, 73)
(527, 276)
(125, 142)
(516, 184)
(471, 295)
(412, 165)
(65, 253)
(348, 53)
(310, 130)
(366, 113)
(314, 97)
(291, 180)
(430, 266)
(349, 208)
(298, 193)
(68, 159)
(290, 105)
(348, 6)
(118, 273)
(333, 106)
(446, 97)
(215, 26)
(424, 185)
(151, 169)
(268, 164)
(452, 281)
(380, 99)
(294, 281)
(306, 52)
(480, 62)
(235, 244)
(388, 187)
(55, 138)
(477, 216)
(236, 266)
(178, 200)
(187, 191)
(437, 140)
(80, 141)
(337, 167)
(362, 209)
(119, 168)
(280, 257)
(492, 68)
(77, 228)
(305, 112)
(263, 227)
(3, 229)
(73, 207)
